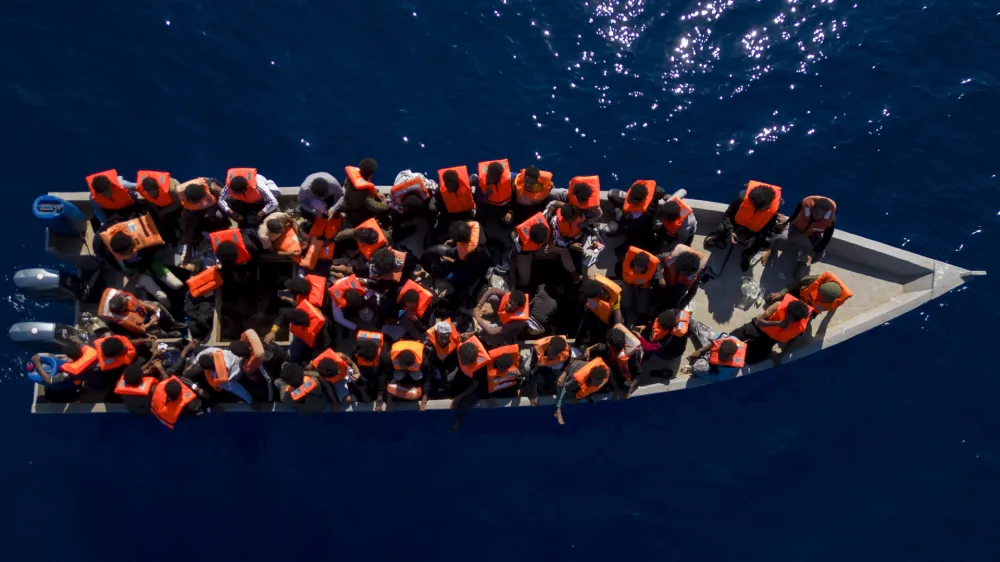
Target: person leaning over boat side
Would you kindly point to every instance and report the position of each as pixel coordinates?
(533, 239)
(719, 360)
(410, 201)
(159, 190)
(675, 222)
(602, 299)
(782, 322)
(824, 292)
(632, 213)
(319, 196)
(811, 227)
(499, 378)
(300, 389)
(512, 310)
(410, 376)
(248, 196)
(580, 380)
(177, 398)
(362, 201)
(751, 220)
(550, 356)
(199, 199)
(114, 198)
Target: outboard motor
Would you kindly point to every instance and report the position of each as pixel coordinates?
(49, 285)
(42, 336)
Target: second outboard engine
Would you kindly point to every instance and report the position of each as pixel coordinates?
(49, 285)
(42, 336)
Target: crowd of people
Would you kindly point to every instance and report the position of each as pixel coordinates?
(324, 301)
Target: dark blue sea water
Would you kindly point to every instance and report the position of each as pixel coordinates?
(884, 448)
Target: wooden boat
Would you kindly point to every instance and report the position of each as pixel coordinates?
(886, 282)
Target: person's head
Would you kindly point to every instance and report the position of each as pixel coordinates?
(384, 260)
(531, 175)
(556, 346)
(298, 317)
(727, 349)
(450, 179)
(406, 358)
(640, 263)
(354, 299)
(667, 319)
(761, 196)
(493, 173)
(460, 232)
(112, 347)
(298, 286)
(467, 353)
(637, 193)
(194, 192)
(238, 184)
(365, 235)
(206, 361)
(151, 186)
(172, 389)
(412, 202)
(797, 310)
(669, 210)
(616, 339)
(409, 299)
(292, 373)
(101, 184)
(516, 300)
(73, 351)
(274, 226)
(582, 192)
(118, 304)
(328, 368)
(504, 362)
(227, 253)
(319, 187)
(590, 289)
(821, 206)
(367, 168)
(442, 333)
(133, 374)
(830, 291)
(366, 350)
(121, 243)
(597, 375)
(687, 263)
(240, 349)
(569, 213)
(538, 233)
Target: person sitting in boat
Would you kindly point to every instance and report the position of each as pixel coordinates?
(416, 309)
(623, 352)
(248, 196)
(581, 379)
(501, 378)
(114, 198)
(640, 270)
(494, 208)
(632, 213)
(824, 292)
(443, 338)
(584, 193)
(254, 376)
(372, 355)
(719, 360)
(308, 327)
(667, 334)
(135, 255)
(781, 322)
(308, 287)
(69, 367)
(362, 201)
(675, 222)
(455, 201)
(236, 251)
(467, 260)
(811, 227)
(602, 298)
(138, 383)
(512, 311)
(532, 189)
(751, 220)
(682, 269)
(222, 370)
(549, 357)
(353, 306)
(570, 231)
(137, 316)
(159, 191)
(201, 213)
(319, 196)
(410, 201)
(368, 236)
(300, 389)
(533, 239)
(278, 230)
(114, 353)
(388, 268)
(339, 376)
(177, 398)
(410, 377)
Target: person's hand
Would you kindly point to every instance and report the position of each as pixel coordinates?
(559, 417)
(533, 401)
(269, 337)
(454, 403)
(692, 358)
(449, 242)
(577, 246)
(261, 215)
(235, 216)
(662, 283)
(508, 217)
(773, 297)
(732, 236)
(809, 260)
(422, 406)
(379, 405)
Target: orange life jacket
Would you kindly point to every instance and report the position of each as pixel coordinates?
(144, 388)
(679, 330)
(170, 412)
(359, 183)
(84, 363)
(748, 217)
(581, 374)
(499, 380)
(519, 315)
(414, 185)
(218, 375)
(523, 229)
(541, 347)
(373, 336)
(338, 291)
(256, 359)
(790, 331)
(111, 363)
(670, 267)
(317, 291)
(671, 227)
(533, 198)
(810, 295)
(737, 360)
(135, 312)
(603, 307)
(316, 250)
(143, 232)
(568, 229)
(595, 198)
(642, 206)
(453, 340)
(236, 237)
(405, 392)
(205, 282)
(628, 272)
(369, 249)
(325, 228)
(481, 358)
(632, 347)
(316, 323)
(252, 193)
(425, 296)
(120, 197)
(500, 194)
(397, 274)
(342, 365)
(461, 201)
(466, 248)
(407, 345)
(811, 225)
(162, 179)
(289, 242)
(305, 389)
(327, 253)
(206, 202)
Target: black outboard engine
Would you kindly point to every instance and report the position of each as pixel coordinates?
(44, 336)
(49, 285)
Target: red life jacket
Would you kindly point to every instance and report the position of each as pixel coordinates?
(142, 231)
(790, 331)
(84, 363)
(359, 183)
(404, 392)
(144, 388)
(644, 204)
(466, 248)
(325, 228)
(369, 249)
(603, 308)
(316, 323)
(737, 360)
(500, 193)
(809, 224)
(317, 291)
(256, 358)
(461, 201)
(218, 375)
(595, 198)
(252, 193)
(338, 291)
(425, 296)
(671, 227)
(342, 365)
(205, 282)
(747, 215)
(119, 197)
(628, 272)
(810, 295)
(169, 412)
(206, 202)
(162, 179)
(523, 230)
(236, 237)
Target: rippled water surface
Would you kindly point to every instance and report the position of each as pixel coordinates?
(885, 448)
